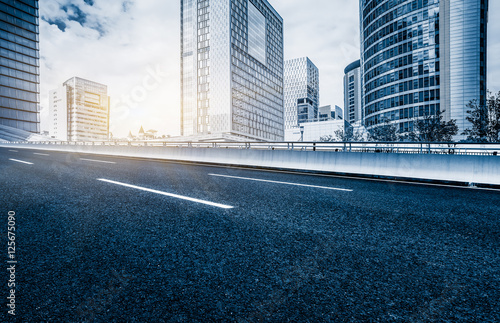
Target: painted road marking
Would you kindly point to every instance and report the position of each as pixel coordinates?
(286, 183)
(222, 206)
(14, 151)
(41, 154)
(20, 161)
(98, 161)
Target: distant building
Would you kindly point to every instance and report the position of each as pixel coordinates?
(313, 131)
(141, 133)
(150, 134)
(328, 121)
(79, 111)
(301, 91)
(352, 93)
(19, 71)
(326, 113)
(306, 111)
(231, 70)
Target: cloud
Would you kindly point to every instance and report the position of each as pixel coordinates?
(117, 43)
(100, 15)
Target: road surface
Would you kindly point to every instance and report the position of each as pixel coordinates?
(111, 239)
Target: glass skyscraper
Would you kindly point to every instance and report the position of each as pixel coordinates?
(19, 65)
(231, 70)
(421, 56)
(301, 91)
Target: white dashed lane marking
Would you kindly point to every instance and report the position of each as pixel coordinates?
(20, 161)
(285, 183)
(222, 206)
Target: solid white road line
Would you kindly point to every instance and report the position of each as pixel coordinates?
(286, 183)
(98, 161)
(222, 206)
(20, 161)
(39, 154)
(14, 151)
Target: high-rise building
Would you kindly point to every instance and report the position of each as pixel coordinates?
(352, 93)
(79, 111)
(422, 56)
(231, 70)
(19, 65)
(301, 91)
(463, 41)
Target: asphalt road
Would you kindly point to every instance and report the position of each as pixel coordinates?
(107, 239)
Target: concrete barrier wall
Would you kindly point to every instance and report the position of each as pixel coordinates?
(456, 168)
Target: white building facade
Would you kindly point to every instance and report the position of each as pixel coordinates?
(79, 111)
(313, 131)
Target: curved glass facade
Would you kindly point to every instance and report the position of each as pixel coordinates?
(400, 60)
(422, 56)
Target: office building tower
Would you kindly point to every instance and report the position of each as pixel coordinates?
(352, 92)
(79, 111)
(306, 112)
(231, 70)
(19, 65)
(463, 41)
(326, 113)
(419, 57)
(301, 91)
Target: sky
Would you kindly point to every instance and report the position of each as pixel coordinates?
(133, 47)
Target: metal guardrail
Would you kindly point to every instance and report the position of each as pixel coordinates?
(491, 149)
